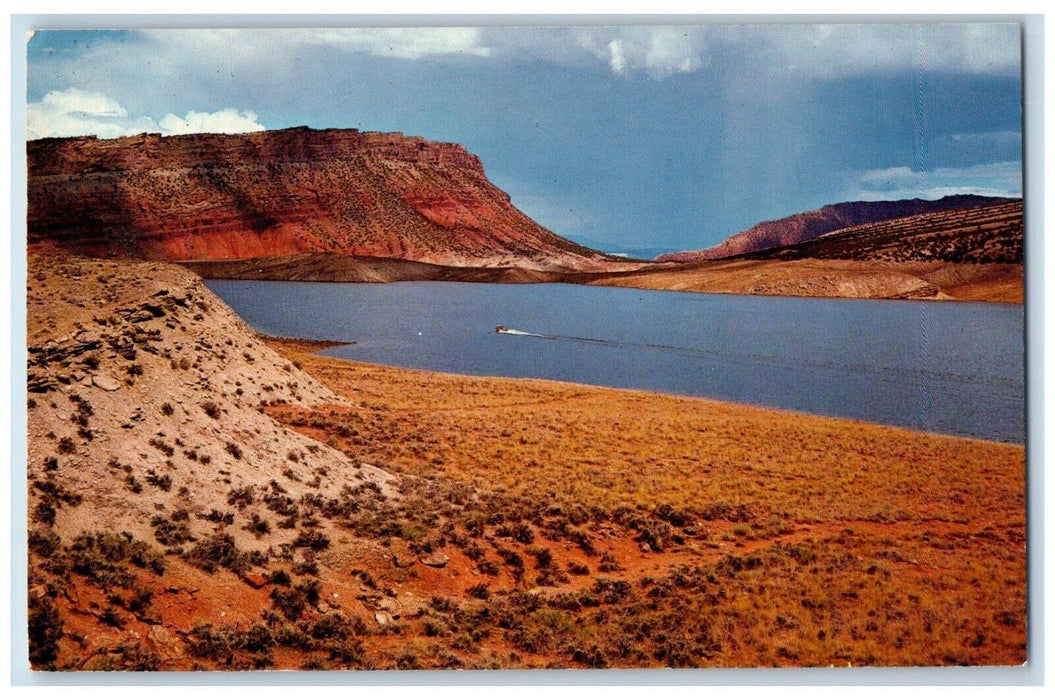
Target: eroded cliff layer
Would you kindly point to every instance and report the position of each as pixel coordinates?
(217, 197)
(809, 225)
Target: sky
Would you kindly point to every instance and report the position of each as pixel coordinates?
(625, 138)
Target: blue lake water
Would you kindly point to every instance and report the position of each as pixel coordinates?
(954, 368)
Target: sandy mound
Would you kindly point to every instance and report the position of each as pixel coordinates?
(144, 391)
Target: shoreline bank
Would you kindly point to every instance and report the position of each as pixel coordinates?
(837, 279)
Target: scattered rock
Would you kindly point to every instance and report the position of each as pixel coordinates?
(402, 557)
(105, 382)
(87, 337)
(166, 644)
(437, 560)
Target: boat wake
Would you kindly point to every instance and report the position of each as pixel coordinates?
(600, 341)
(513, 331)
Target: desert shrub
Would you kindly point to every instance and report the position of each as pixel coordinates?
(211, 409)
(312, 539)
(132, 484)
(337, 626)
(167, 409)
(140, 600)
(542, 631)
(233, 450)
(521, 532)
(111, 617)
(45, 631)
(43, 543)
(53, 494)
(131, 657)
(656, 534)
(801, 552)
(163, 481)
(163, 447)
(256, 639)
(170, 532)
(512, 558)
(278, 502)
(542, 555)
(208, 642)
(670, 514)
(739, 513)
(732, 564)
(347, 652)
(293, 602)
(480, 591)
(100, 555)
(293, 638)
(611, 590)
(578, 569)
(583, 539)
(258, 526)
(240, 497)
(218, 517)
(44, 513)
(218, 551)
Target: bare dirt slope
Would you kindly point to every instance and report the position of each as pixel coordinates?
(327, 267)
(861, 279)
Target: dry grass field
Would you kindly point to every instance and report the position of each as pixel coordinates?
(712, 534)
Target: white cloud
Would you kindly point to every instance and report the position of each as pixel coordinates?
(656, 51)
(225, 121)
(902, 182)
(616, 57)
(89, 103)
(75, 112)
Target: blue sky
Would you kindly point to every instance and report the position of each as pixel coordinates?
(668, 137)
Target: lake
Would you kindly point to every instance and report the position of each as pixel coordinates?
(946, 367)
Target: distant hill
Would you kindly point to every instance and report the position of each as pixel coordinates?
(285, 192)
(809, 225)
(989, 233)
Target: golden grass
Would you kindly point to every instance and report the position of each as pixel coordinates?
(820, 541)
(584, 445)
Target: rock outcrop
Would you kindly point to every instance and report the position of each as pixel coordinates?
(809, 225)
(222, 197)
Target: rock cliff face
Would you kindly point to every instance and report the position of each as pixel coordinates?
(990, 233)
(812, 224)
(217, 197)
